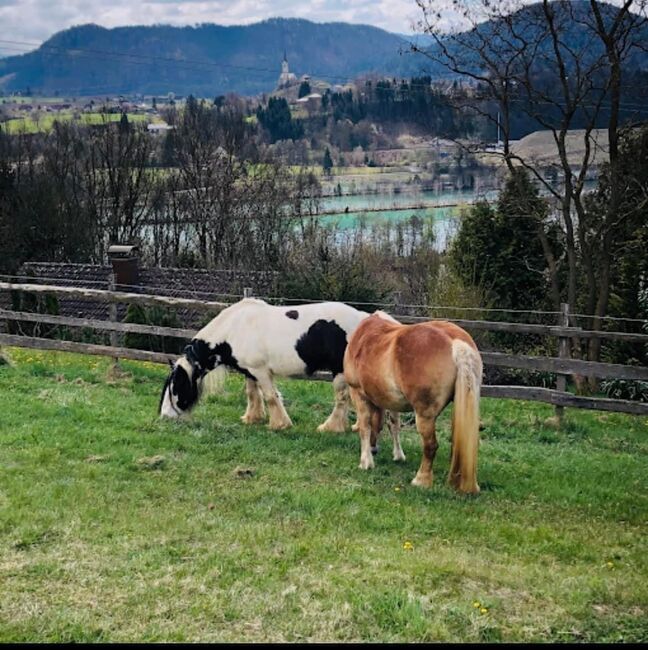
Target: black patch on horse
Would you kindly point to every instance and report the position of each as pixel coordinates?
(322, 347)
(205, 358)
(293, 313)
(185, 388)
(224, 352)
(198, 351)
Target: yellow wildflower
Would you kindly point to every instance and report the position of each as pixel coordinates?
(408, 546)
(476, 604)
(484, 610)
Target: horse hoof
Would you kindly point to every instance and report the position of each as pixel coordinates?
(281, 425)
(332, 429)
(422, 482)
(248, 419)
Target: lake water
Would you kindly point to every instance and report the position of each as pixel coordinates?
(442, 207)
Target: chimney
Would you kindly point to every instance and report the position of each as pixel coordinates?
(125, 265)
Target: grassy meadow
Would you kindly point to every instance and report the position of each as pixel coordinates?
(116, 526)
(46, 121)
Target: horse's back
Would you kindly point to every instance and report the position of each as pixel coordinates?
(395, 364)
(294, 339)
(368, 362)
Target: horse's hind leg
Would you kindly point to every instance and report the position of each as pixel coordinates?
(255, 411)
(377, 421)
(426, 426)
(369, 416)
(279, 418)
(394, 424)
(339, 417)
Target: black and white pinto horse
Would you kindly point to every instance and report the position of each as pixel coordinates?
(262, 341)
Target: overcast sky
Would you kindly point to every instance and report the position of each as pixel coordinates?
(36, 20)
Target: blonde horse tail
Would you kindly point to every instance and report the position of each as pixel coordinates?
(465, 418)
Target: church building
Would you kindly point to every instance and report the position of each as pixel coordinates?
(286, 78)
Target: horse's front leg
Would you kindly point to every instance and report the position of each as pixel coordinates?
(394, 424)
(255, 411)
(279, 418)
(339, 417)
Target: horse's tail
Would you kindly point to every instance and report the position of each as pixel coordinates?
(465, 418)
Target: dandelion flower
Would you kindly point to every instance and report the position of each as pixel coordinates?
(476, 604)
(484, 610)
(408, 546)
(397, 489)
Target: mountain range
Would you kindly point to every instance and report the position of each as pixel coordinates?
(209, 60)
(205, 60)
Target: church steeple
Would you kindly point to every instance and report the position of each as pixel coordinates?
(286, 78)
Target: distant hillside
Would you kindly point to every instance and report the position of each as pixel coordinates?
(205, 60)
(209, 60)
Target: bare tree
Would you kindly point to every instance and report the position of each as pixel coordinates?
(525, 61)
(119, 179)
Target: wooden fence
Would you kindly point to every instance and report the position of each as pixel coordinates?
(563, 366)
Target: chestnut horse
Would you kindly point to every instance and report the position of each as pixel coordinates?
(419, 367)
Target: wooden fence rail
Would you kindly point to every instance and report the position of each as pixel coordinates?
(211, 306)
(545, 364)
(103, 295)
(559, 365)
(94, 324)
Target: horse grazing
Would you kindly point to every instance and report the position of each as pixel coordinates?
(422, 368)
(262, 341)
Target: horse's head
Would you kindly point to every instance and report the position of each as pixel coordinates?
(182, 387)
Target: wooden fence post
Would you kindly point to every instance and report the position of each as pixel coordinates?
(112, 316)
(563, 353)
(397, 299)
(247, 292)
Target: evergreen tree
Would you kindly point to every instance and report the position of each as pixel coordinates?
(497, 249)
(327, 163)
(276, 118)
(124, 125)
(304, 89)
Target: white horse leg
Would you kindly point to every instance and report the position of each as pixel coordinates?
(255, 411)
(279, 418)
(339, 417)
(394, 424)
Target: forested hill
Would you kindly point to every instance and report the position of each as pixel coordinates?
(205, 60)
(209, 60)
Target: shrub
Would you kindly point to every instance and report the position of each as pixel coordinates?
(152, 316)
(626, 389)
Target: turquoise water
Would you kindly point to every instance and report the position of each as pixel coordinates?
(428, 198)
(442, 207)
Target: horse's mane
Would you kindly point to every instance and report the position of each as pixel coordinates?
(385, 316)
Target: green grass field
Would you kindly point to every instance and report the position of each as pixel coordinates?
(116, 526)
(46, 121)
